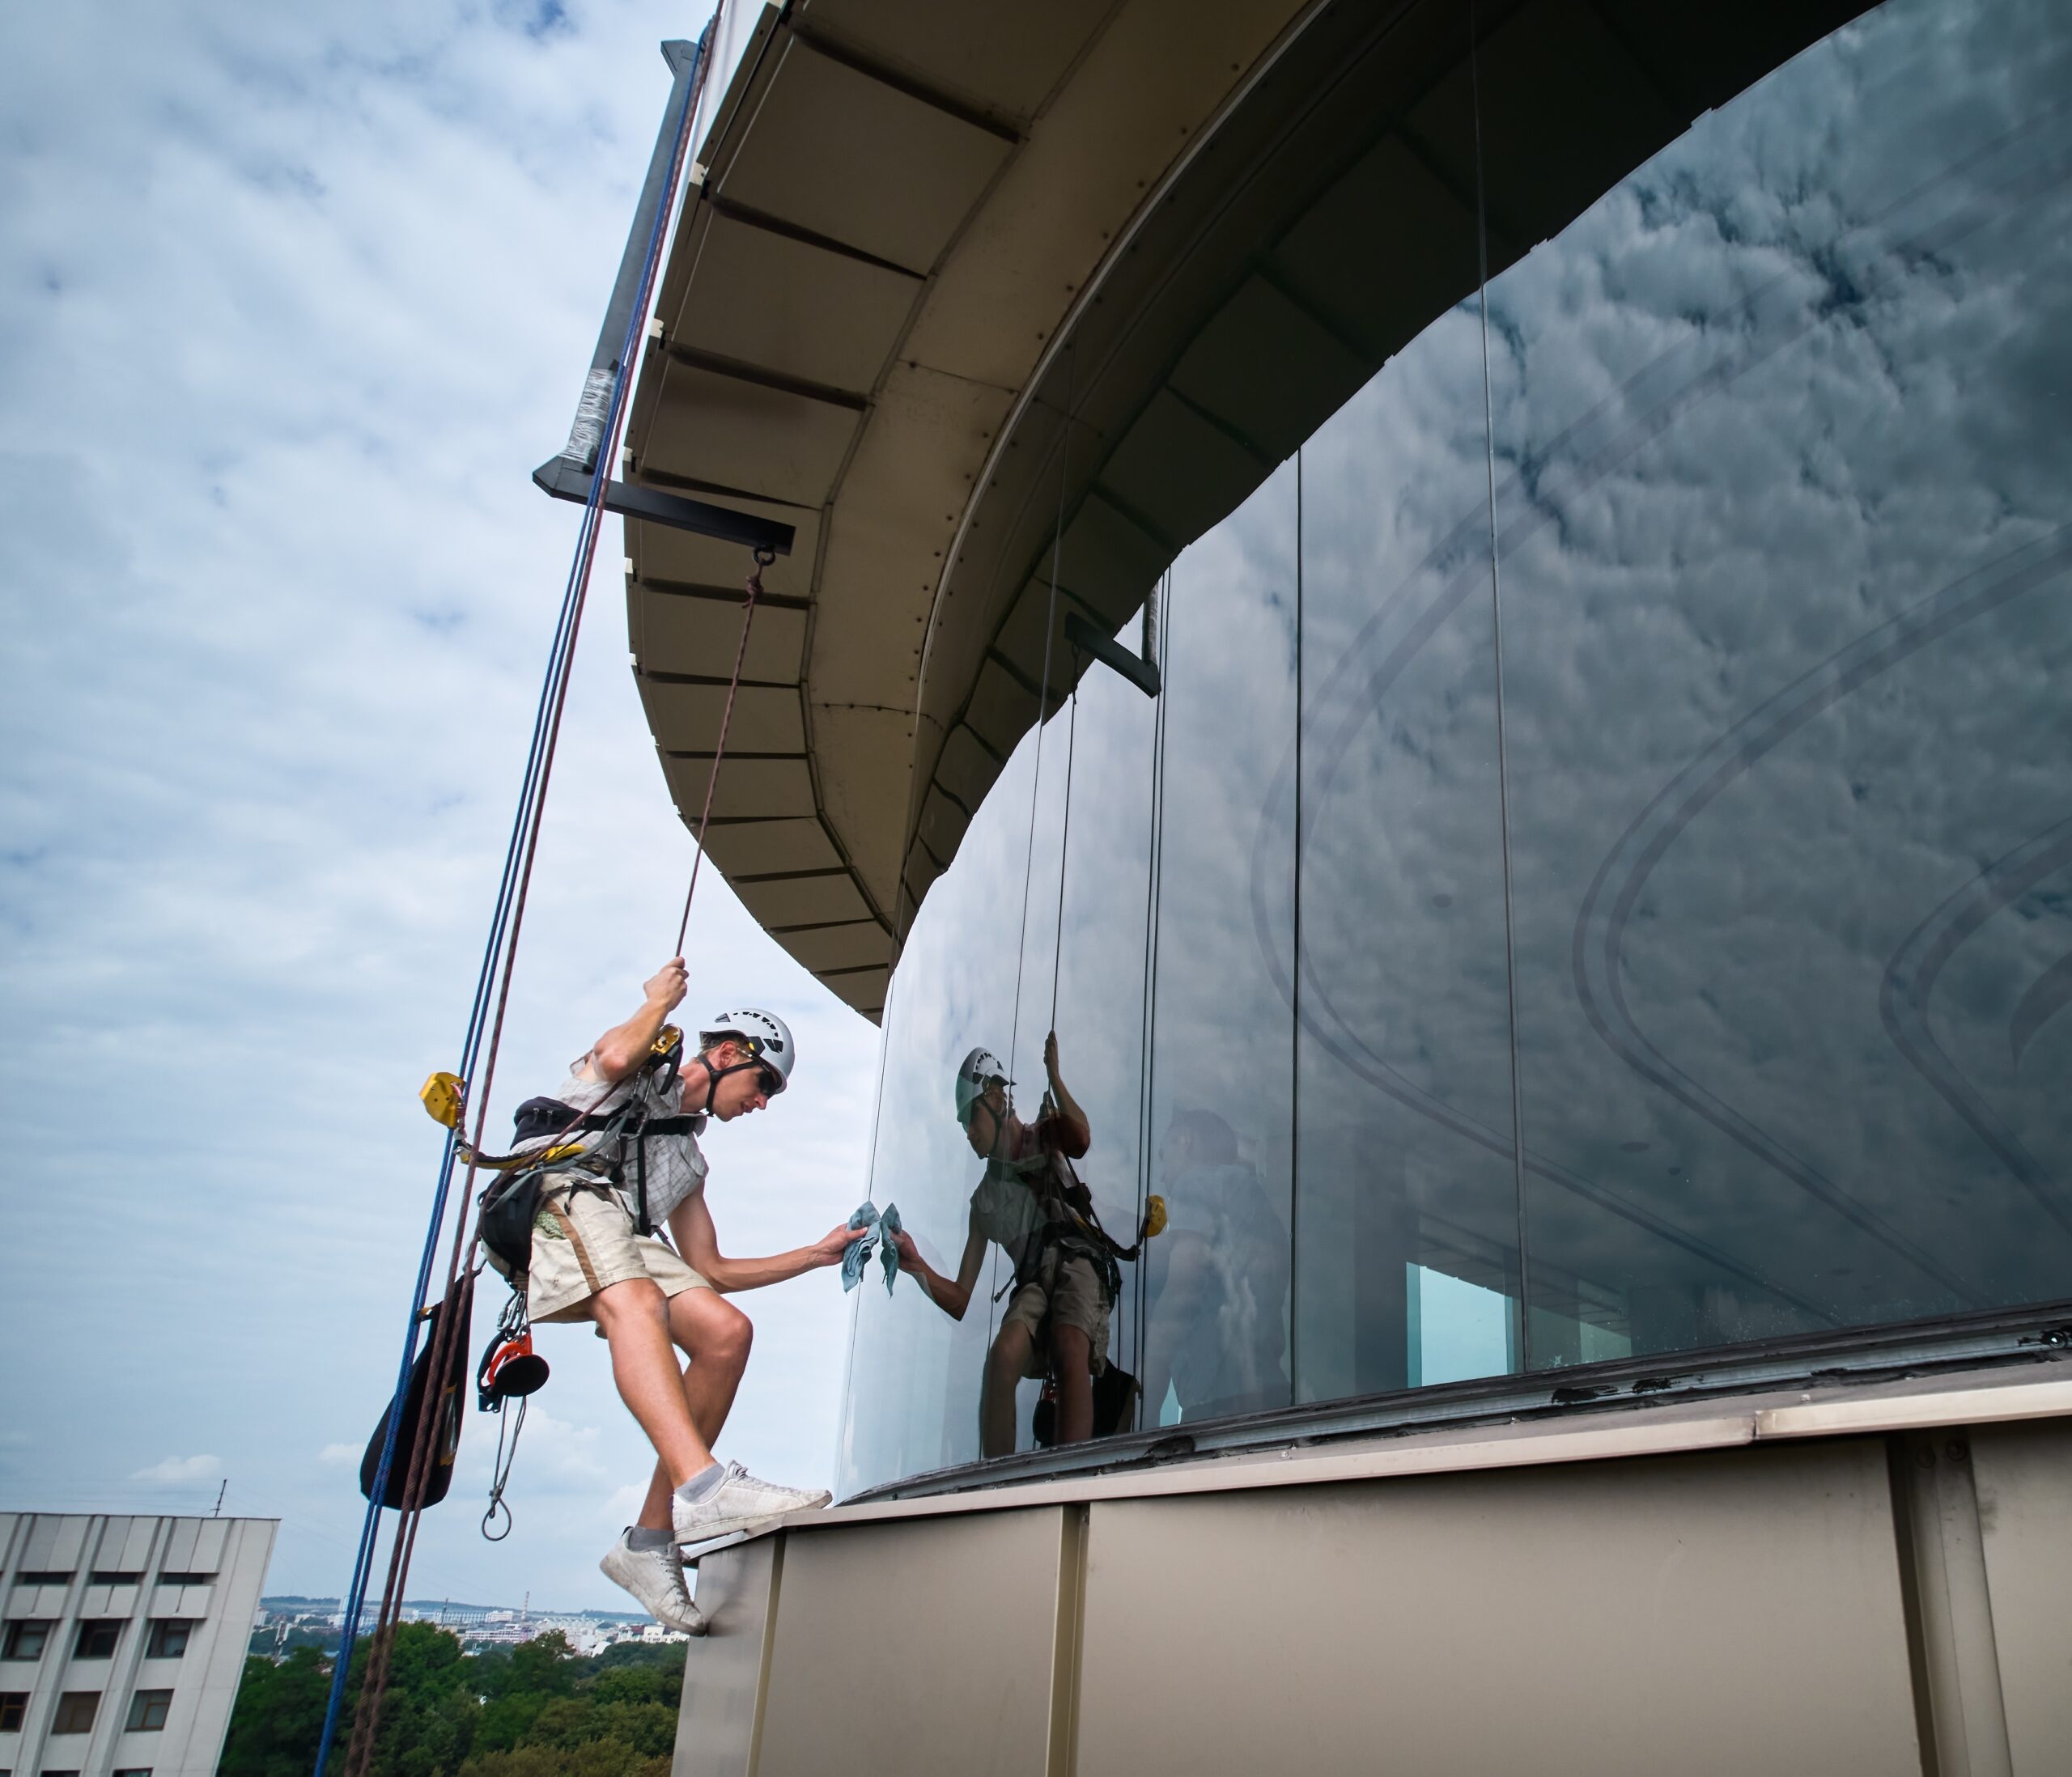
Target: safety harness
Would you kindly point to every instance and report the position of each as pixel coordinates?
(511, 1201)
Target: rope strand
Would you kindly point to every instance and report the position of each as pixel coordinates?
(505, 923)
(763, 558)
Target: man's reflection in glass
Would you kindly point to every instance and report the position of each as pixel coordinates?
(1065, 1278)
(1218, 1283)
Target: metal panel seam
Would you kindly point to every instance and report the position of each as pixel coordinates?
(1067, 1647)
(769, 1643)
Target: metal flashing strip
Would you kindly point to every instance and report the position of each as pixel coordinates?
(1891, 1412)
(1517, 1447)
(1640, 1428)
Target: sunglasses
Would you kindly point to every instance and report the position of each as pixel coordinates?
(770, 1080)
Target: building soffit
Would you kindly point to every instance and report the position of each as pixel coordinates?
(900, 201)
(977, 296)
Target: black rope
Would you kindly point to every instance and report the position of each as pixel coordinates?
(1149, 1055)
(1065, 847)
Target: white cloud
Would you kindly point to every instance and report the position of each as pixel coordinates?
(174, 1469)
(338, 1455)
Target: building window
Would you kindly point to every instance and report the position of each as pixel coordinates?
(185, 1578)
(169, 1637)
(147, 1711)
(25, 1639)
(14, 1705)
(43, 1578)
(97, 1638)
(127, 1771)
(75, 1712)
(101, 1577)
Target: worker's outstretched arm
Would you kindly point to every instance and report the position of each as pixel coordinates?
(1075, 1135)
(624, 1047)
(691, 1223)
(953, 1295)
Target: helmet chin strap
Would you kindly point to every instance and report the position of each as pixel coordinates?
(714, 1075)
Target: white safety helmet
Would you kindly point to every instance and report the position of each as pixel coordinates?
(765, 1036)
(977, 1070)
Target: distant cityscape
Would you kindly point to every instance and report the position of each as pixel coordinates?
(287, 1622)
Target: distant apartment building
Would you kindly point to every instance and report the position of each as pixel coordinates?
(123, 1640)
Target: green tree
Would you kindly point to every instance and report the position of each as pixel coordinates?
(537, 1710)
(279, 1716)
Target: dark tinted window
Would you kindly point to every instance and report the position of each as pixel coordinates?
(169, 1637)
(96, 1637)
(185, 1578)
(25, 1637)
(103, 1577)
(42, 1577)
(14, 1705)
(76, 1710)
(147, 1710)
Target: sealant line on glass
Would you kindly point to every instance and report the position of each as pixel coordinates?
(1148, 1060)
(1295, 995)
(1036, 782)
(1496, 652)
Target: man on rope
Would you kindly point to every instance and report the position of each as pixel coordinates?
(593, 1258)
(1065, 1280)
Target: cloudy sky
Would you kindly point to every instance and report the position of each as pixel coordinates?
(291, 300)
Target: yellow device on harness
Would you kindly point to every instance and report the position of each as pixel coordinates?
(1154, 1216)
(441, 1096)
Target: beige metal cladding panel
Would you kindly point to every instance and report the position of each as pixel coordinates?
(675, 632)
(755, 848)
(687, 718)
(1155, 74)
(1004, 60)
(864, 990)
(2023, 1475)
(786, 305)
(862, 945)
(853, 160)
(804, 901)
(910, 1648)
(1181, 473)
(723, 1679)
(745, 787)
(1692, 1615)
(863, 756)
(728, 431)
(1268, 369)
(1109, 561)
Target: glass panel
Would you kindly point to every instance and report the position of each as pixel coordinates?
(914, 1373)
(1101, 983)
(1785, 528)
(1407, 1181)
(1215, 1337)
(916, 1377)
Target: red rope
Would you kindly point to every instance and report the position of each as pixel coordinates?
(763, 558)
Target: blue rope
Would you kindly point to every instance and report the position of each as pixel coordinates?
(561, 655)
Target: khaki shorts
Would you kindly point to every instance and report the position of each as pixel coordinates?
(584, 1241)
(1067, 1289)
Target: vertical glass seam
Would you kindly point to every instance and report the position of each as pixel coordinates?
(1148, 1064)
(1295, 998)
(1496, 654)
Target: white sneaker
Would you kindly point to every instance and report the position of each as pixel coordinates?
(741, 1502)
(654, 1576)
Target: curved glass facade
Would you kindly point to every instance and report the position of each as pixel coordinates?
(1597, 881)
